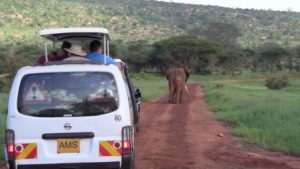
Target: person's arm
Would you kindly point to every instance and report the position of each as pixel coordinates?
(109, 60)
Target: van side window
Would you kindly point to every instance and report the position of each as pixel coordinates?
(68, 94)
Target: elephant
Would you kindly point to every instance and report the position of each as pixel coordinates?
(177, 78)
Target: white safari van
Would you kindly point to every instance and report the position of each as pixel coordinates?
(72, 115)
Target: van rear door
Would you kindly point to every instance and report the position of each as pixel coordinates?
(67, 117)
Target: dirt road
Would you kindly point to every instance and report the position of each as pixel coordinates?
(185, 136)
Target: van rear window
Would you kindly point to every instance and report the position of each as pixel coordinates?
(68, 94)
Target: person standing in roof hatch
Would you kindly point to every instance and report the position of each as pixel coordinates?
(75, 52)
(97, 55)
(61, 54)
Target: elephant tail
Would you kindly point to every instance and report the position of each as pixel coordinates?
(187, 73)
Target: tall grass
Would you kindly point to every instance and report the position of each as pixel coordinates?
(3, 105)
(270, 118)
(152, 86)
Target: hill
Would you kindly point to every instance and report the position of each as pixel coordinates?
(130, 20)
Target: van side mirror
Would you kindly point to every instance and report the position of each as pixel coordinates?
(138, 95)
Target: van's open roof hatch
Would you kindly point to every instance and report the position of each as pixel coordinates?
(57, 34)
(61, 34)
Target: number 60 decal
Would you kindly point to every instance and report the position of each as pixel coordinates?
(118, 118)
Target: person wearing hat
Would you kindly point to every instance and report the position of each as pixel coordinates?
(61, 54)
(75, 52)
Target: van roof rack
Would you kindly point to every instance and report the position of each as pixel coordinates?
(64, 62)
(59, 34)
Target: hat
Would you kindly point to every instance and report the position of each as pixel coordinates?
(76, 50)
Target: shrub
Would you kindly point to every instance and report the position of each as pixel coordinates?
(218, 86)
(277, 82)
(2, 85)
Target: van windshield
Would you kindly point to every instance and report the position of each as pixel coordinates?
(68, 94)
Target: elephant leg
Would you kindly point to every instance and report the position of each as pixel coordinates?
(173, 96)
(179, 95)
(171, 92)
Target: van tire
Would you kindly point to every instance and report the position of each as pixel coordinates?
(11, 164)
(128, 162)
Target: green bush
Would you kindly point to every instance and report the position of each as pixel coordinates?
(277, 82)
(2, 85)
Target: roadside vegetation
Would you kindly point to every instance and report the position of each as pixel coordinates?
(152, 86)
(3, 105)
(262, 116)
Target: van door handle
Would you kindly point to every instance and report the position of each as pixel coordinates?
(48, 136)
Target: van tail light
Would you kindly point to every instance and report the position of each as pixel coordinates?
(10, 143)
(127, 140)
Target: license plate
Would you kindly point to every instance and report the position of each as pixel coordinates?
(68, 145)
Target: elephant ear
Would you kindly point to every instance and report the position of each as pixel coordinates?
(169, 73)
(167, 76)
(187, 73)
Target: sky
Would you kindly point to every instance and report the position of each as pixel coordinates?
(281, 5)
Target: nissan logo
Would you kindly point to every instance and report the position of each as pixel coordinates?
(67, 126)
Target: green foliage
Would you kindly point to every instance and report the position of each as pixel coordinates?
(230, 60)
(271, 54)
(2, 85)
(115, 50)
(152, 86)
(277, 82)
(183, 51)
(136, 54)
(5, 83)
(266, 117)
(3, 105)
(147, 20)
(223, 33)
(150, 21)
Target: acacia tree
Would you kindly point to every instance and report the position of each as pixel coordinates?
(137, 54)
(181, 51)
(271, 55)
(296, 51)
(160, 57)
(230, 60)
(115, 50)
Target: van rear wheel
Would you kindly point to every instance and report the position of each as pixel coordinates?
(128, 162)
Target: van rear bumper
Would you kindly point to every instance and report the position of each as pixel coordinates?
(108, 165)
